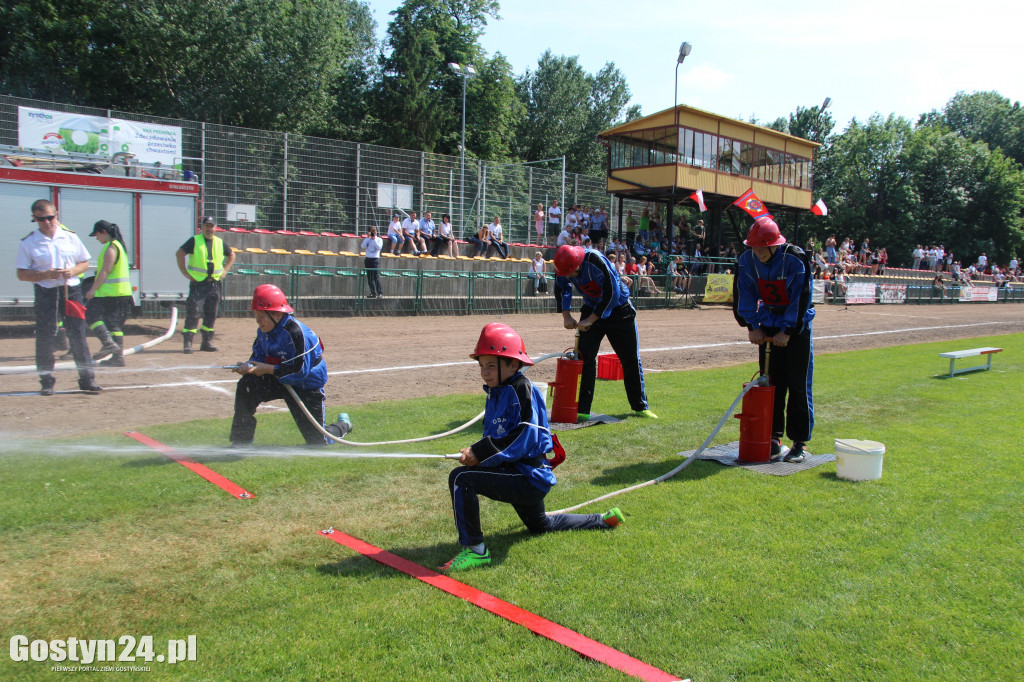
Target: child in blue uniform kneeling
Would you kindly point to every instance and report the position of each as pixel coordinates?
(508, 463)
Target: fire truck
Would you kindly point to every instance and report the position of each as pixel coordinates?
(156, 209)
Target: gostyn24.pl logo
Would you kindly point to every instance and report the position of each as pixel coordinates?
(126, 649)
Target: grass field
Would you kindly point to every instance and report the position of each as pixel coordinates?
(718, 574)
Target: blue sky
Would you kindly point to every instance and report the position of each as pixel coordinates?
(764, 59)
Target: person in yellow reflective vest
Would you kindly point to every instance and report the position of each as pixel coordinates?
(110, 296)
(209, 259)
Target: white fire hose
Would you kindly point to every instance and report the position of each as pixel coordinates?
(31, 369)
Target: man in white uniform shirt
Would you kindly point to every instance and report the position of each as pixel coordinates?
(554, 218)
(52, 258)
(411, 228)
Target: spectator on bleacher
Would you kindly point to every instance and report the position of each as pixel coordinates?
(481, 240)
(954, 269)
(1014, 265)
(411, 229)
(538, 222)
(680, 275)
(644, 232)
(572, 221)
(444, 237)
(630, 226)
(657, 230)
(495, 237)
(640, 247)
(620, 264)
(632, 269)
(425, 233)
(586, 218)
(564, 238)
(697, 260)
(812, 246)
(646, 272)
(554, 218)
(395, 234)
(372, 245)
(883, 260)
(918, 255)
(839, 282)
(865, 252)
(982, 262)
(536, 273)
(949, 260)
(599, 227)
(830, 249)
(938, 286)
(940, 258)
(873, 262)
(820, 260)
(932, 254)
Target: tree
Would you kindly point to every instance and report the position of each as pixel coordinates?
(565, 109)
(260, 63)
(985, 116)
(419, 99)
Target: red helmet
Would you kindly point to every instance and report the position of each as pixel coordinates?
(503, 341)
(270, 297)
(568, 258)
(764, 232)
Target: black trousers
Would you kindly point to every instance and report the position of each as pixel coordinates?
(203, 299)
(505, 485)
(620, 328)
(49, 308)
(252, 390)
(372, 266)
(110, 311)
(791, 370)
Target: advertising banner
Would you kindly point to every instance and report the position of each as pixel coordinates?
(818, 293)
(58, 131)
(718, 289)
(984, 294)
(860, 292)
(892, 293)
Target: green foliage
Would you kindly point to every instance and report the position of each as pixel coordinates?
(987, 117)
(566, 108)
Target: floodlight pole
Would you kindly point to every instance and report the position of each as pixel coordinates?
(465, 72)
(684, 51)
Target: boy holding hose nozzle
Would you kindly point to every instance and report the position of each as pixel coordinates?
(285, 353)
(772, 299)
(508, 463)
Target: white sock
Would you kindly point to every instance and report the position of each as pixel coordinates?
(479, 549)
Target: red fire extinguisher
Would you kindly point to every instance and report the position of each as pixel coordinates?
(756, 417)
(566, 387)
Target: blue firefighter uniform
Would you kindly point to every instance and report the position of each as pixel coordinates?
(776, 296)
(297, 355)
(606, 296)
(512, 466)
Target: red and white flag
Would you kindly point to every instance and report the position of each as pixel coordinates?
(751, 204)
(698, 196)
(819, 208)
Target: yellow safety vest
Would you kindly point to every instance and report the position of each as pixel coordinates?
(198, 259)
(117, 283)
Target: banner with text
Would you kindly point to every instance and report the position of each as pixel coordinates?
(58, 131)
(892, 293)
(718, 289)
(818, 293)
(860, 292)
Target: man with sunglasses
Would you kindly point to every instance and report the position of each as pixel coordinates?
(52, 258)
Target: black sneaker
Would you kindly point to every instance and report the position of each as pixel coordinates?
(89, 387)
(46, 390)
(796, 455)
(778, 450)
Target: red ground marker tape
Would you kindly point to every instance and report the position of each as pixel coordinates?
(209, 474)
(541, 626)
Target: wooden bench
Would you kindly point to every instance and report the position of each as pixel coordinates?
(957, 354)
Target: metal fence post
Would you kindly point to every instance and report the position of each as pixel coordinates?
(359, 151)
(284, 195)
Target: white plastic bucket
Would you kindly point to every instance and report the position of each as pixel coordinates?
(543, 389)
(859, 460)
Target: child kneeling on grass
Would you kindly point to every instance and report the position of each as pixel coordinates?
(508, 463)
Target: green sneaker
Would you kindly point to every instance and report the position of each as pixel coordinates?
(465, 560)
(582, 417)
(613, 517)
(645, 413)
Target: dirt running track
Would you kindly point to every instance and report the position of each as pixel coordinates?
(375, 359)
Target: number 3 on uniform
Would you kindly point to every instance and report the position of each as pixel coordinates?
(773, 291)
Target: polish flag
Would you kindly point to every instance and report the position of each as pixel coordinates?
(698, 196)
(819, 208)
(751, 204)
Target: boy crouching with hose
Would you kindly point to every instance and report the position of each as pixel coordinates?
(508, 463)
(285, 353)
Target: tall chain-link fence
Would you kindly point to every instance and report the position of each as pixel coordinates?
(273, 180)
